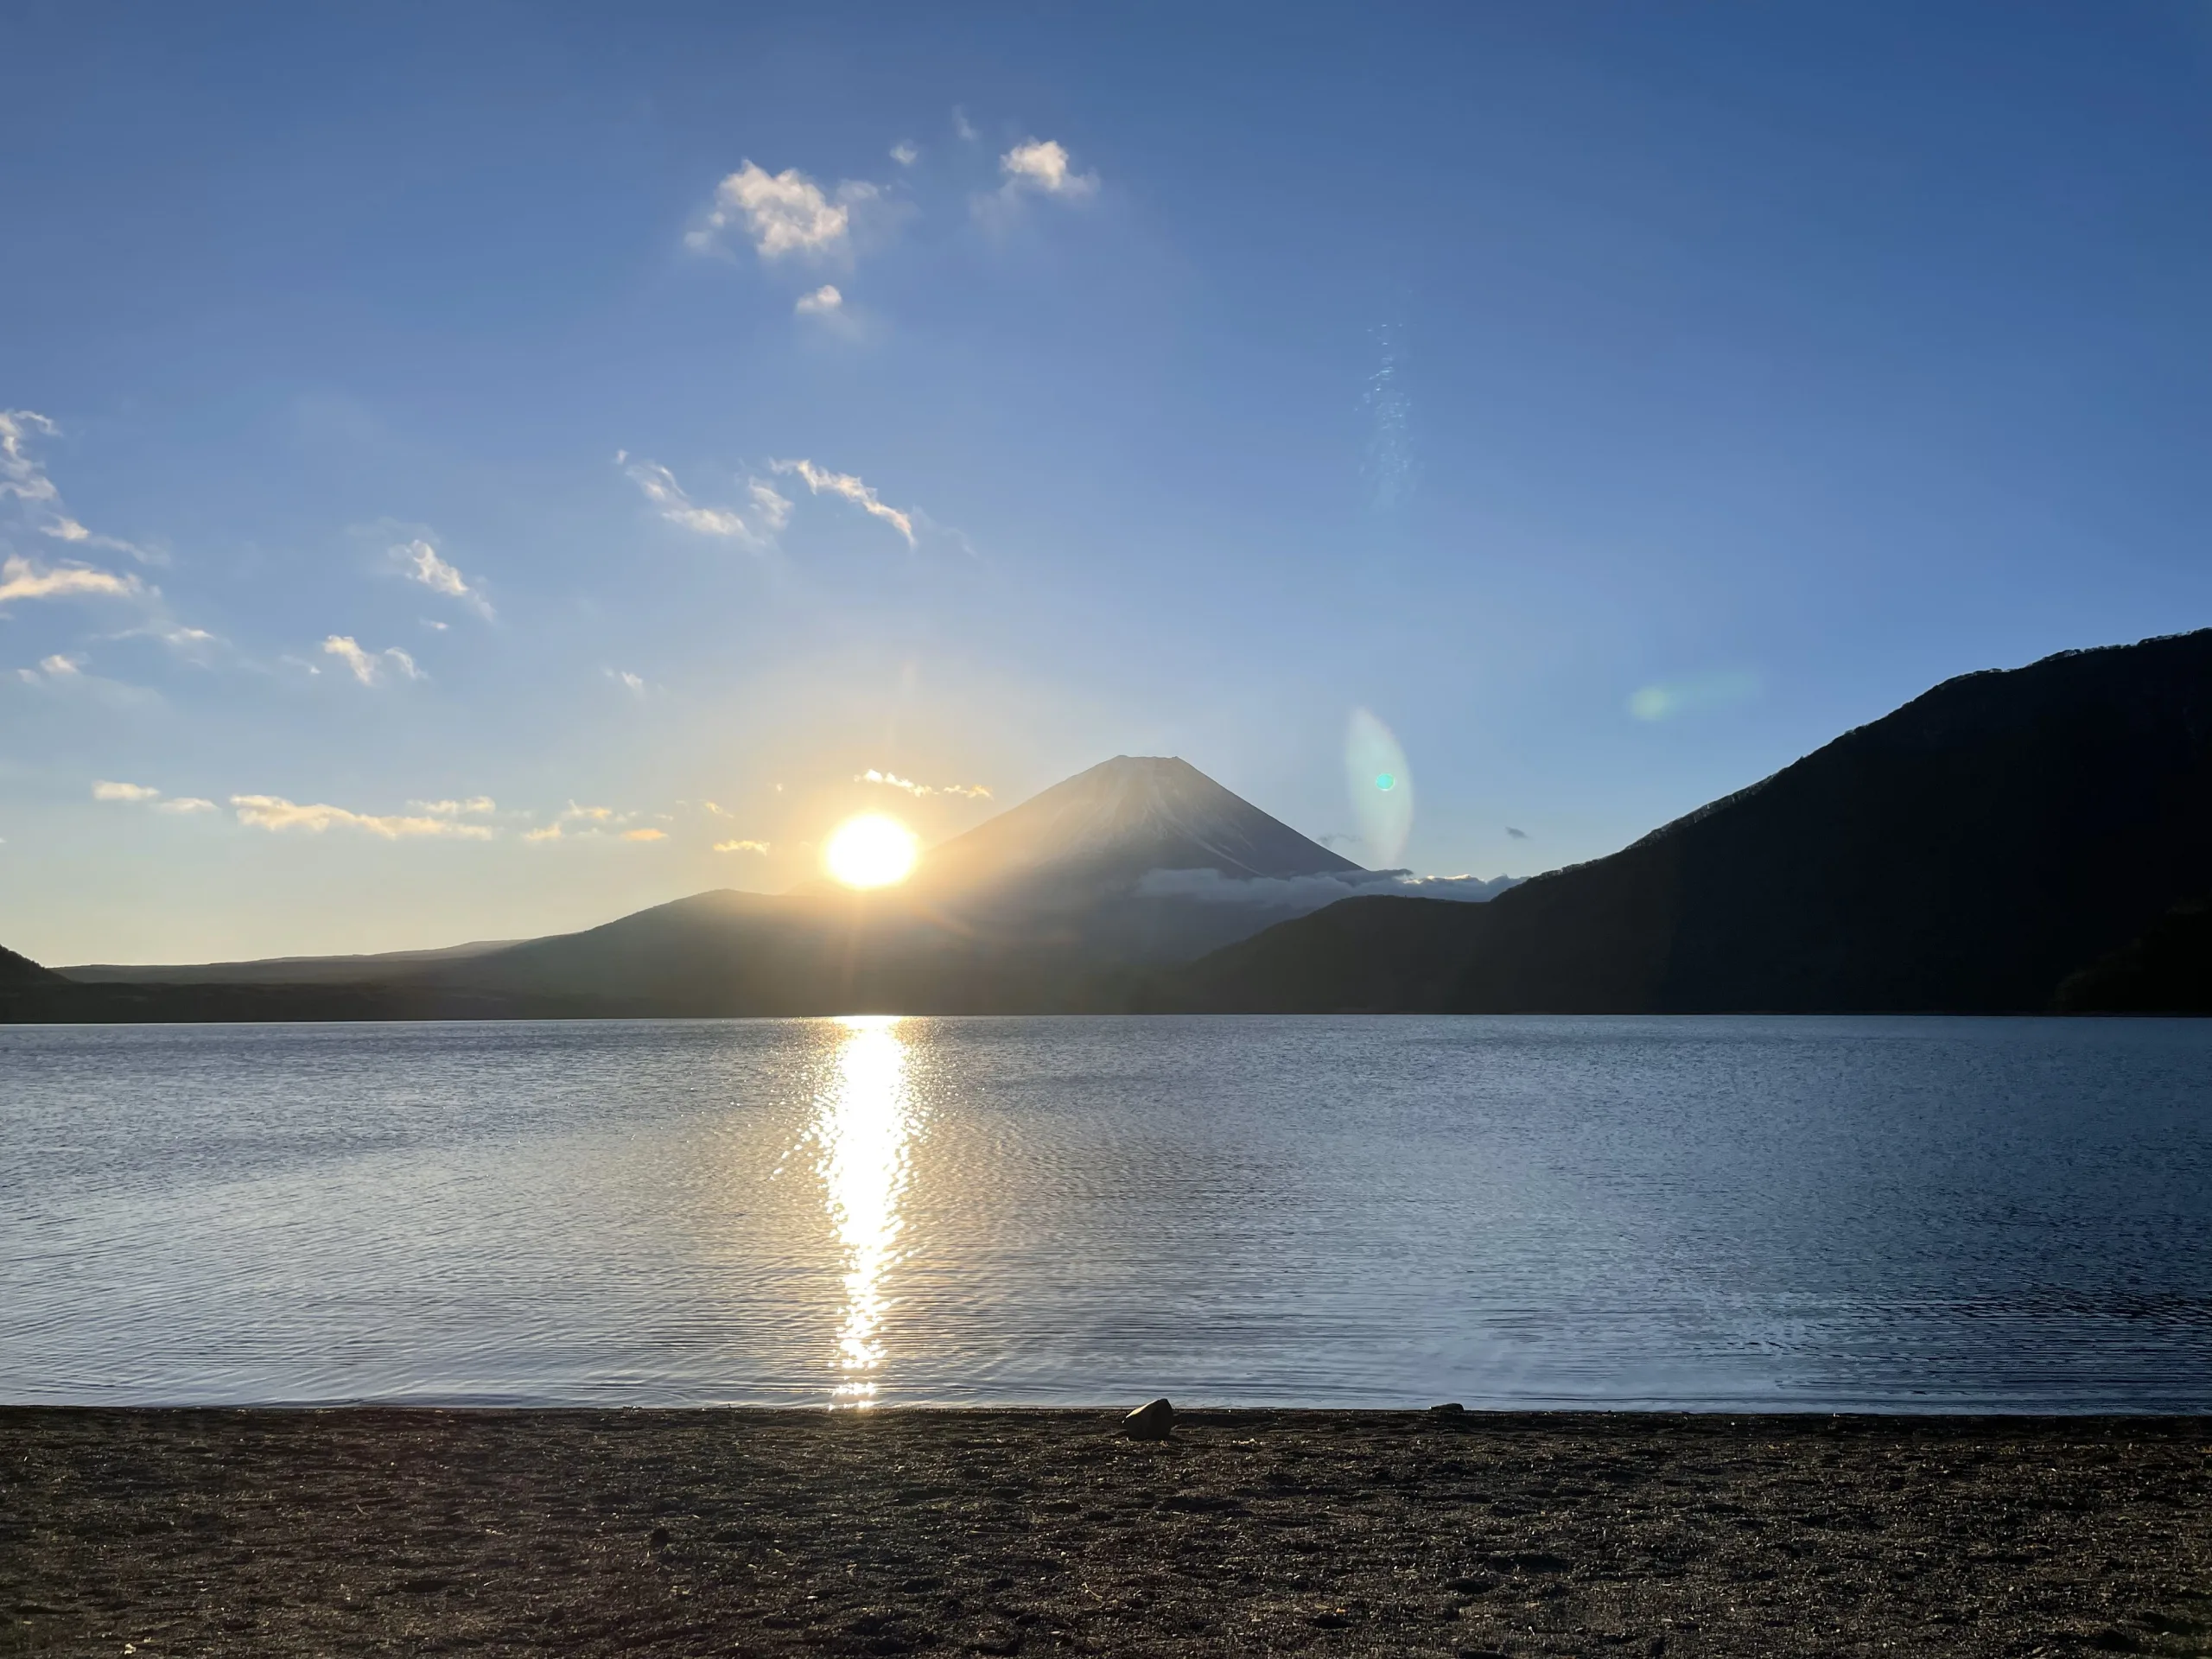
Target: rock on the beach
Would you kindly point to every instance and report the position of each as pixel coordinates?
(1153, 1421)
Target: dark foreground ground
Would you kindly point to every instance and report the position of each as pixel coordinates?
(743, 1532)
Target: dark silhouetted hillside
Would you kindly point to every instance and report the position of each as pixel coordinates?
(2167, 970)
(1037, 911)
(1968, 852)
(280, 971)
(22, 970)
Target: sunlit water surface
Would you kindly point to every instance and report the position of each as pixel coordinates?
(1806, 1213)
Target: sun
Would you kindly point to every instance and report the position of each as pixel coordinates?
(871, 851)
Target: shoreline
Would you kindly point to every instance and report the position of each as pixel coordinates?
(761, 1530)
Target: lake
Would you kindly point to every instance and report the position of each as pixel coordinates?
(1923, 1214)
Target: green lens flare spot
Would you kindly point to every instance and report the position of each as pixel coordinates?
(1385, 781)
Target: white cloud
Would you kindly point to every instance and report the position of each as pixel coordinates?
(962, 126)
(1042, 165)
(905, 154)
(596, 820)
(475, 806)
(66, 676)
(182, 806)
(742, 847)
(21, 475)
(783, 213)
(893, 780)
(368, 666)
(275, 814)
(421, 564)
(821, 480)
(633, 684)
(22, 578)
(1308, 893)
(772, 507)
(824, 301)
(191, 641)
(23, 478)
(660, 486)
(645, 835)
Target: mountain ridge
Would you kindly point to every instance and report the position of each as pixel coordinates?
(1966, 852)
(2009, 841)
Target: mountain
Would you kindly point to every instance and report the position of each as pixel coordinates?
(1069, 867)
(1026, 912)
(2010, 841)
(281, 971)
(1969, 852)
(1103, 828)
(2167, 970)
(22, 970)
(1044, 907)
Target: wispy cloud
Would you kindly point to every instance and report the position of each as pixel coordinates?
(177, 806)
(21, 476)
(421, 562)
(1389, 465)
(65, 675)
(905, 154)
(823, 302)
(660, 486)
(822, 482)
(23, 479)
(963, 127)
(1042, 166)
(192, 642)
(742, 847)
(783, 213)
(769, 506)
(276, 814)
(893, 780)
(633, 684)
(23, 578)
(474, 806)
(583, 822)
(369, 666)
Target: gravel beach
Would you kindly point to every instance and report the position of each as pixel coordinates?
(368, 1530)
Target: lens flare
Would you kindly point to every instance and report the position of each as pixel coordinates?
(1382, 789)
(871, 851)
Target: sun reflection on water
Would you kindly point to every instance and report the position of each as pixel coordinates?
(864, 1124)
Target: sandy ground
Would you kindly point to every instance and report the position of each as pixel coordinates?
(750, 1532)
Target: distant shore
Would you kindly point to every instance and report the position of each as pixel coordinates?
(371, 1530)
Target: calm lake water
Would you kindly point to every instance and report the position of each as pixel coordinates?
(1831, 1213)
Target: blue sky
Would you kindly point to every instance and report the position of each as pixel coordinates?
(494, 457)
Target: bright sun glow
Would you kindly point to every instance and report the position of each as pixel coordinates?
(871, 851)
